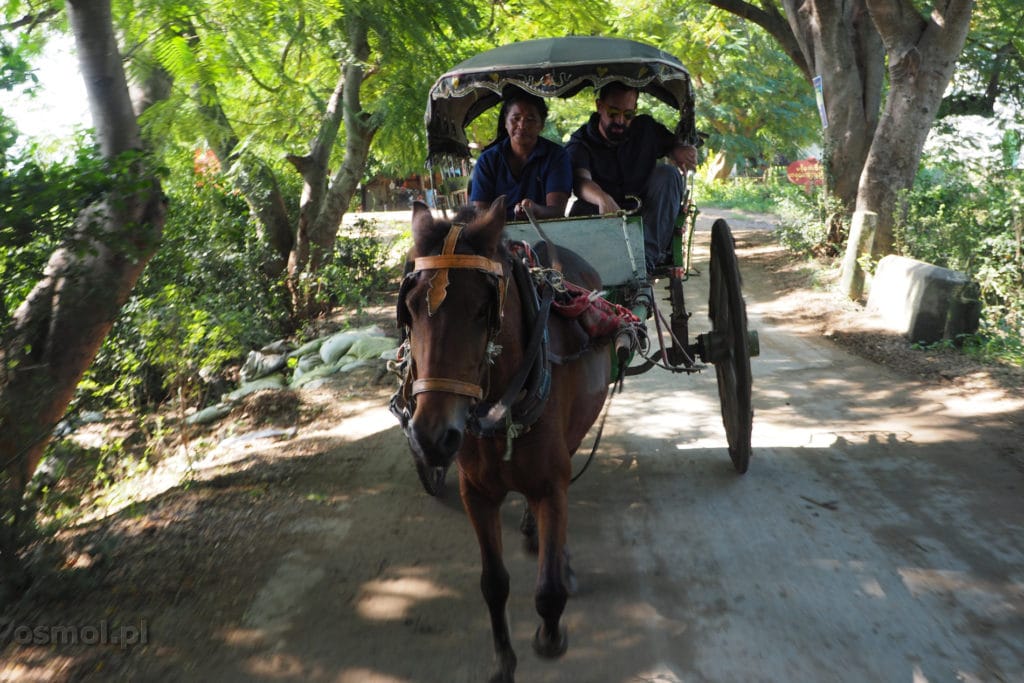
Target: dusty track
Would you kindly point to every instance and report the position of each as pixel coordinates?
(876, 537)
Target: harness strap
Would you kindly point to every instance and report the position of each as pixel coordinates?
(451, 386)
(490, 422)
(459, 261)
(439, 282)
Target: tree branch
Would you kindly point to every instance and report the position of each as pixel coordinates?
(898, 22)
(771, 20)
(30, 20)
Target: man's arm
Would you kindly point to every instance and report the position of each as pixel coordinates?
(588, 190)
(685, 157)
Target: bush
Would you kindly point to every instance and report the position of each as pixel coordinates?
(201, 304)
(970, 218)
(812, 224)
(748, 194)
(361, 265)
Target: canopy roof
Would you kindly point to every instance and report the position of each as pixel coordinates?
(550, 67)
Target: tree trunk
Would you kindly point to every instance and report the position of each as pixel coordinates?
(841, 45)
(836, 40)
(720, 166)
(922, 55)
(313, 169)
(256, 182)
(323, 206)
(56, 332)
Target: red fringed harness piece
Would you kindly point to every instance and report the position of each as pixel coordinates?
(597, 316)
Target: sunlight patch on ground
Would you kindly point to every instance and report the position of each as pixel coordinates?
(983, 404)
(661, 673)
(362, 675)
(391, 599)
(995, 598)
(366, 418)
(280, 665)
(47, 671)
(272, 610)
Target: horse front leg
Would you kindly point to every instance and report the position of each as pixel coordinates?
(551, 639)
(528, 527)
(494, 579)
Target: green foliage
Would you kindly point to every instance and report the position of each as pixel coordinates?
(200, 305)
(361, 265)
(969, 216)
(752, 114)
(812, 223)
(39, 203)
(990, 70)
(747, 194)
(15, 69)
(808, 223)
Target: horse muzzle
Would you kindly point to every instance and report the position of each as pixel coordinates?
(436, 428)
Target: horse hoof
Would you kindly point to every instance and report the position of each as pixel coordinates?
(548, 649)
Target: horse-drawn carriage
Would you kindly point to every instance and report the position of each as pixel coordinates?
(493, 377)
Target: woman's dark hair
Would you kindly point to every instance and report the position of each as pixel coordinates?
(522, 97)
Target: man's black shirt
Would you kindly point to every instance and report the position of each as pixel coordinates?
(619, 168)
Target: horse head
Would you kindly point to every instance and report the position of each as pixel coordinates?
(451, 306)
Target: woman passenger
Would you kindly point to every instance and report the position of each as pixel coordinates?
(531, 171)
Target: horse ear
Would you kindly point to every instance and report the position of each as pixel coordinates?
(422, 224)
(497, 209)
(486, 231)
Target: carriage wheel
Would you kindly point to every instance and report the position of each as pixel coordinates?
(432, 478)
(732, 354)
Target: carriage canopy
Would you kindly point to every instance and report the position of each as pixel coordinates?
(551, 67)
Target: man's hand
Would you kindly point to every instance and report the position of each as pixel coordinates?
(590, 191)
(685, 157)
(605, 204)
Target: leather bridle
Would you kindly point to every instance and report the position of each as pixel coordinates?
(436, 294)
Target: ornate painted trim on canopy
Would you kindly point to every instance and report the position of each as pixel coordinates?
(550, 67)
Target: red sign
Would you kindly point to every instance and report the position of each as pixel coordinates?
(806, 172)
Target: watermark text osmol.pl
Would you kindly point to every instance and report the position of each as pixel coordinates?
(101, 633)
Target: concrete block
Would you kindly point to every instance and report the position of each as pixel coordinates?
(923, 302)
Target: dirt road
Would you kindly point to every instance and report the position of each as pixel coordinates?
(876, 537)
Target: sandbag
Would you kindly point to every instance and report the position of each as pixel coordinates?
(271, 382)
(341, 344)
(260, 364)
(366, 348)
(207, 415)
(312, 346)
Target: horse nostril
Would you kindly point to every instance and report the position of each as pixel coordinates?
(452, 440)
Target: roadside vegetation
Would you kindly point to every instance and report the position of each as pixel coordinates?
(962, 214)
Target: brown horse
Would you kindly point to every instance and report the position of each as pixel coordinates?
(477, 390)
